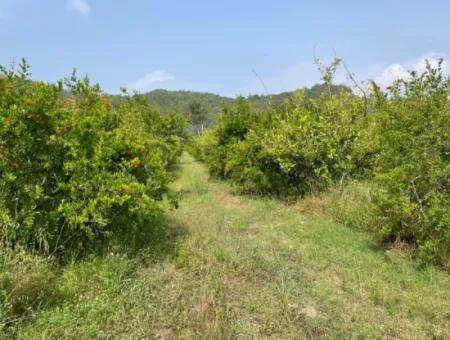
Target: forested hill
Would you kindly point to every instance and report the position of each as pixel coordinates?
(171, 100)
(212, 104)
(310, 93)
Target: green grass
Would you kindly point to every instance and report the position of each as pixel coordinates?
(230, 266)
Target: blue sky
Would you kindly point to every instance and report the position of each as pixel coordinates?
(216, 46)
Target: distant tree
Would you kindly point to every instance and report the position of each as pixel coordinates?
(197, 113)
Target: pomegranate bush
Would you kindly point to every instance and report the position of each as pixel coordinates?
(74, 170)
(413, 166)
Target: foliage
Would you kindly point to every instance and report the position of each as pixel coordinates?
(75, 171)
(312, 93)
(294, 149)
(413, 166)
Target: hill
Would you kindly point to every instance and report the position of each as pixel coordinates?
(313, 92)
(169, 101)
(212, 104)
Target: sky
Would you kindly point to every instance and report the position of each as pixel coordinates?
(232, 47)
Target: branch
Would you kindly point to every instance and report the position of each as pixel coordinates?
(418, 198)
(351, 76)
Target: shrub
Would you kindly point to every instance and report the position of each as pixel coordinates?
(74, 169)
(295, 149)
(199, 146)
(316, 144)
(413, 166)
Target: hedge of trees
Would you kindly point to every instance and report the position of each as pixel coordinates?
(74, 170)
(398, 139)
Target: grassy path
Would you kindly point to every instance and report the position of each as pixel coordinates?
(240, 267)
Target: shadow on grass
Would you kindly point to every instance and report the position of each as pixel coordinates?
(106, 269)
(155, 241)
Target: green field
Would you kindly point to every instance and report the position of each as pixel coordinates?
(225, 266)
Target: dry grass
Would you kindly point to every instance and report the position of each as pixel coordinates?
(315, 205)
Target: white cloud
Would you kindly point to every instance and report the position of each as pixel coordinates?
(79, 5)
(390, 74)
(400, 71)
(421, 64)
(146, 82)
